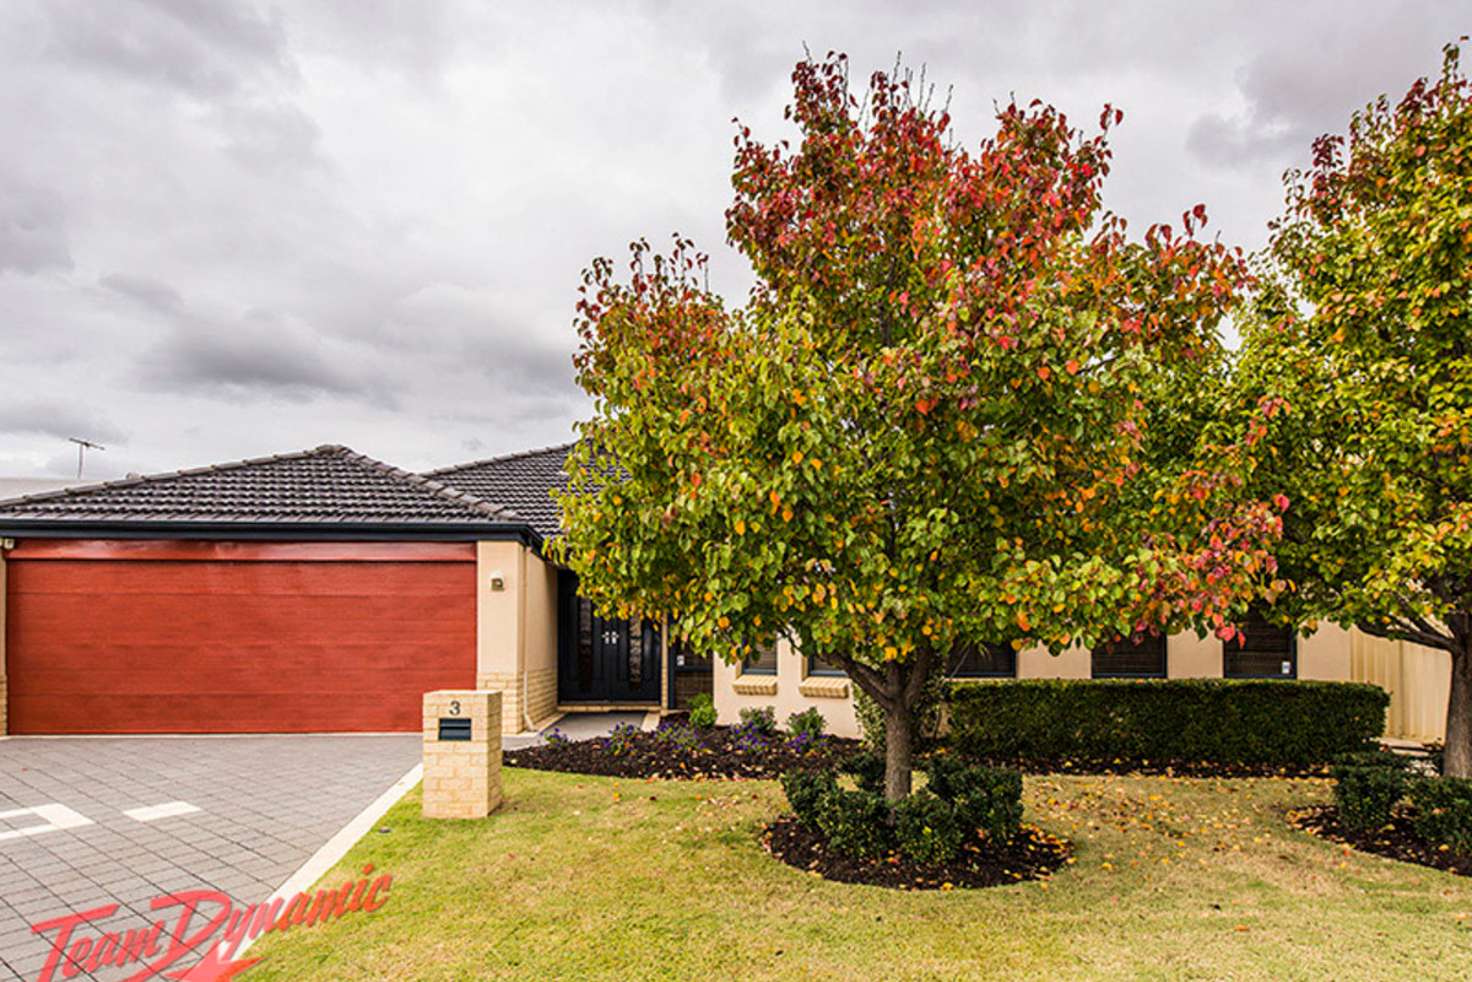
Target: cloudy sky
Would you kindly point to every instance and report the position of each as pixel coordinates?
(232, 229)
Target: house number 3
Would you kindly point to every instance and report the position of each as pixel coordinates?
(455, 707)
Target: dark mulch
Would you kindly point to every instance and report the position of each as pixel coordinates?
(1398, 840)
(1169, 768)
(677, 750)
(1031, 855)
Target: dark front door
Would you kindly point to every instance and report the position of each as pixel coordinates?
(603, 659)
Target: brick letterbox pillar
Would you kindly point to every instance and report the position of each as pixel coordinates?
(462, 753)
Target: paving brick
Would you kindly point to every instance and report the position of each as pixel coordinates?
(268, 804)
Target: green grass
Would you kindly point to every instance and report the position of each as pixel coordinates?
(601, 878)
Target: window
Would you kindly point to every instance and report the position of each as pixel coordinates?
(970, 660)
(818, 665)
(1131, 658)
(763, 662)
(685, 659)
(1261, 651)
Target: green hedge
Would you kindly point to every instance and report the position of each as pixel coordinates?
(1216, 721)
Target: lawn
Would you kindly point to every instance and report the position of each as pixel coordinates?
(604, 878)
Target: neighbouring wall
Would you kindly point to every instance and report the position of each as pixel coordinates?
(1418, 679)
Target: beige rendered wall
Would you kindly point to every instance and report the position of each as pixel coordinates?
(541, 637)
(516, 631)
(788, 692)
(1325, 654)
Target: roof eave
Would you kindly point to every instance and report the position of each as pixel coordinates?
(301, 531)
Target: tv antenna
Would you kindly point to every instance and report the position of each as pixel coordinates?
(82, 447)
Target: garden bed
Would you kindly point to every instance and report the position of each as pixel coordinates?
(1031, 855)
(1397, 840)
(680, 751)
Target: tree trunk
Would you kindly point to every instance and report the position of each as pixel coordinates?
(896, 688)
(898, 752)
(1458, 761)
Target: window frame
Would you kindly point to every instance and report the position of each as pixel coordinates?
(811, 669)
(748, 668)
(1228, 646)
(1161, 639)
(992, 646)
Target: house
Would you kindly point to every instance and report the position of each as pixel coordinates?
(326, 591)
(312, 591)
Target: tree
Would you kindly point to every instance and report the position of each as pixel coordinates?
(943, 414)
(1362, 334)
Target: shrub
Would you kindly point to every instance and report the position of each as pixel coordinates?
(855, 823)
(1374, 758)
(985, 798)
(702, 711)
(805, 791)
(1366, 794)
(927, 828)
(867, 770)
(1277, 723)
(1443, 812)
(761, 719)
(809, 723)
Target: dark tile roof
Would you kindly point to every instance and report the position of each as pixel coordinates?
(520, 481)
(330, 484)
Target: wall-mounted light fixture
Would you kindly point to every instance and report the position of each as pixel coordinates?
(498, 582)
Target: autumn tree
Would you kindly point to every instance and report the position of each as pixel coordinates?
(1362, 333)
(946, 412)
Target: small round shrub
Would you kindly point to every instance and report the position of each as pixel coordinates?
(805, 791)
(1443, 811)
(702, 711)
(809, 723)
(1366, 795)
(928, 828)
(988, 799)
(867, 770)
(856, 823)
(762, 720)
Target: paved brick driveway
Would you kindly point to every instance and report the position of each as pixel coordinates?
(237, 814)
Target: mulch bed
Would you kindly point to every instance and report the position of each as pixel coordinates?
(677, 750)
(1031, 855)
(1398, 840)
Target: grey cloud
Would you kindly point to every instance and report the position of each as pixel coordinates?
(153, 294)
(200, 47)
(33, 230)
(261, 355)
(57, 419)
(1294, 89)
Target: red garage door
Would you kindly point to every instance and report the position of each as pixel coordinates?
(166, 637)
